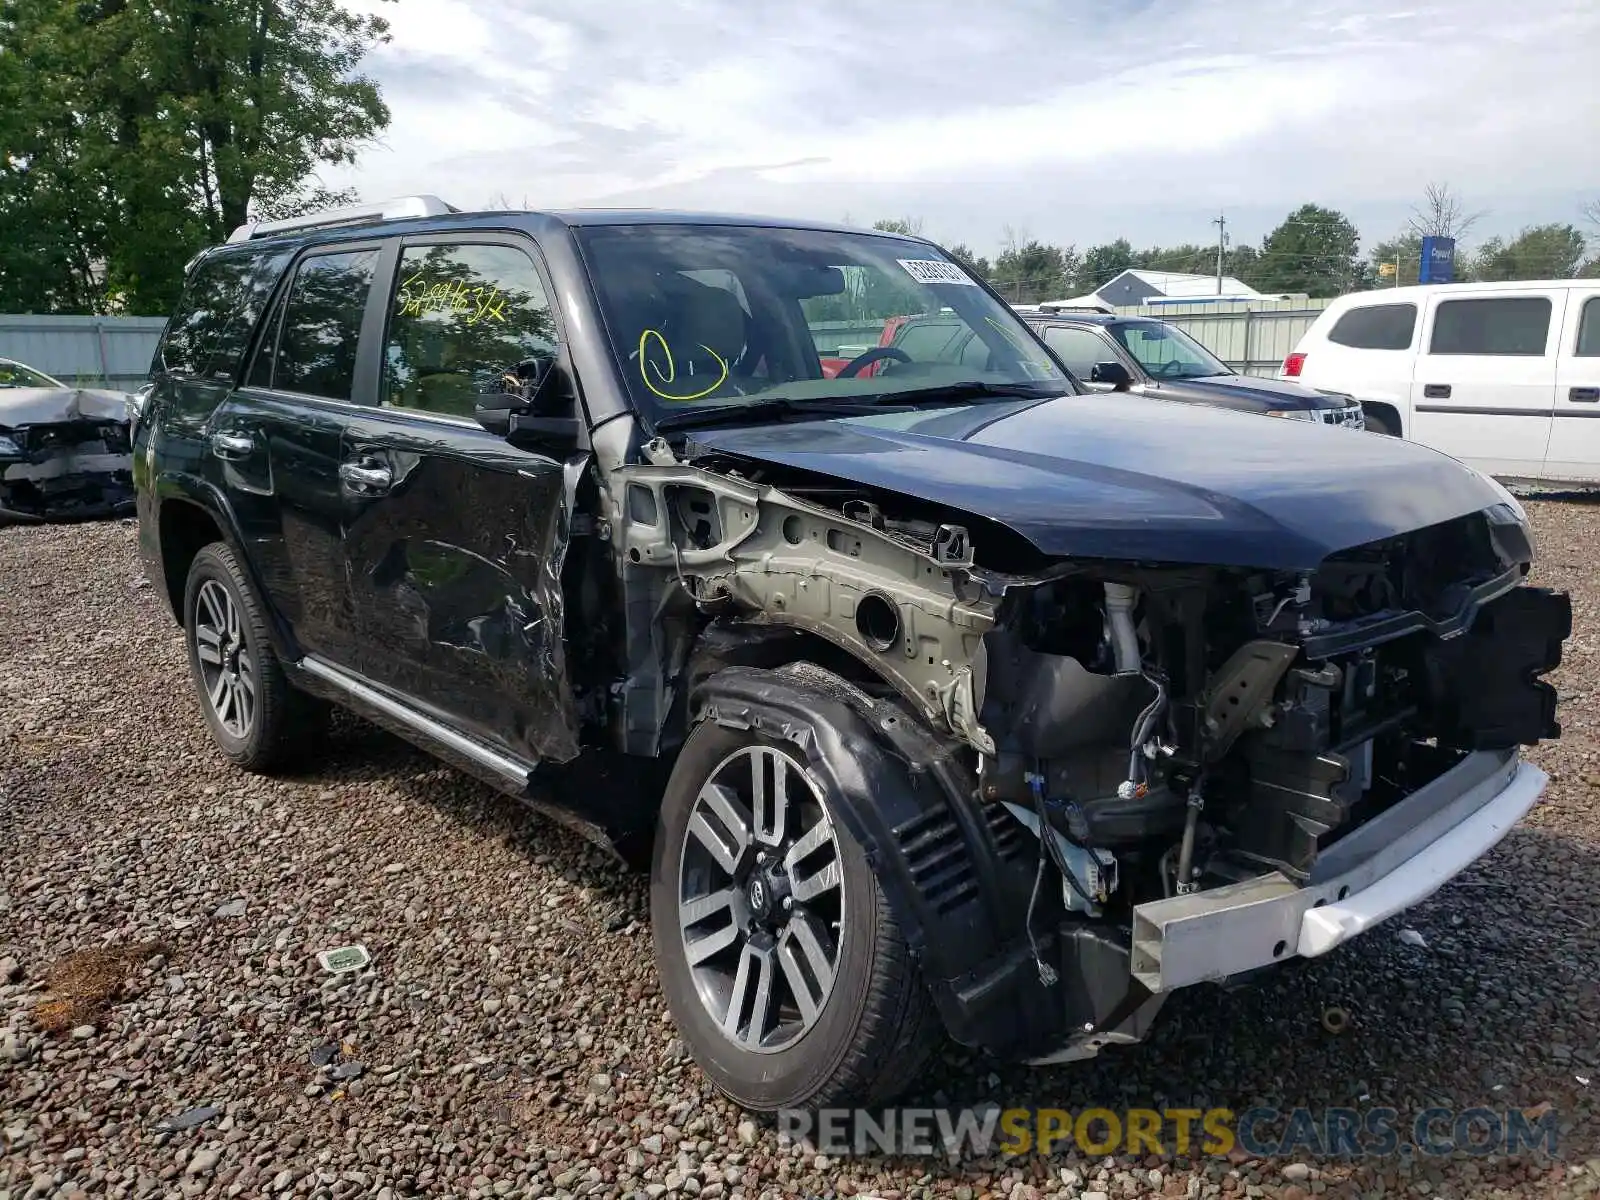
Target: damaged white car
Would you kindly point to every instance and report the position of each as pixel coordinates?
(64, 451)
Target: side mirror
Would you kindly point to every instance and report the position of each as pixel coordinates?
(1113, 373)
(494, 412)
(543, 435)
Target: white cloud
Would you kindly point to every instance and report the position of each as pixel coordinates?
(1080, 120)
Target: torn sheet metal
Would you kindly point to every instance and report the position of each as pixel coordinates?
(64, 453)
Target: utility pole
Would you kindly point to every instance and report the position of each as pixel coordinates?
(1221, 222)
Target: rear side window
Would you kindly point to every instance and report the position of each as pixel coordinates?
(1589, 330)
(221, 303)
(1512, 325)
(319, 326)
(930, 342)
(465, 322)
(1078, 348)
(1376, 327)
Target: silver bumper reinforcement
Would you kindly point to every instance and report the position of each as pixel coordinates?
(1394, 861)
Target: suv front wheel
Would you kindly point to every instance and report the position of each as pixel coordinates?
(782, 963)
(255, 716)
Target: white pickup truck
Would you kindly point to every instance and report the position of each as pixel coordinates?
(1503, 376)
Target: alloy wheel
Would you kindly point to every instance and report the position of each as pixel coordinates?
(226, 669)
(761, 899)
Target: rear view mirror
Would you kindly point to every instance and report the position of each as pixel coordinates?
(1113, 373)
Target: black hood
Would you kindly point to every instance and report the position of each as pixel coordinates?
(1125, 477)
(1248, 391)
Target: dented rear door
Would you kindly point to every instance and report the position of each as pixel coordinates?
(454, 538)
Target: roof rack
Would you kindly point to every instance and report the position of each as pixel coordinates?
(355, 214)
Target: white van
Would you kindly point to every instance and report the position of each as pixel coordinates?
(1503, 376)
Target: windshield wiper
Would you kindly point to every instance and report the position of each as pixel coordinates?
(758, 410)
(972, 389)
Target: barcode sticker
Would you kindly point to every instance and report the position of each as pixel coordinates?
(935, 270)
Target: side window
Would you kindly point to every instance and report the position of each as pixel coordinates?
(976, 354)
(1589, 330)
(465, 321)
(929, 341)
(1514, 325)
(1078, 348)
(1376, 327)
(319, 326)
(207, 333)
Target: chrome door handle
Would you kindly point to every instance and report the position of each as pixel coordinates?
(232, 445)
(366, 476)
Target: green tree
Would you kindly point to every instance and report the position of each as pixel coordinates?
(1028, 271)
(1102, 264)
(911, 226)
(1404, 254)
(1186, 259)
(1538, 252)
(976, 263)
(1314, 251)
(134, 133)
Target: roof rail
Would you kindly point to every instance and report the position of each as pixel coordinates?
(354, 214)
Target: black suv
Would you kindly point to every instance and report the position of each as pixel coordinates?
(944, 698)
(1141, 354)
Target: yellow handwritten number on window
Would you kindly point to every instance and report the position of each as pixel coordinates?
(669, 373)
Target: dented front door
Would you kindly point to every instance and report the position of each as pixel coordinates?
(454, 541)
(454, 538)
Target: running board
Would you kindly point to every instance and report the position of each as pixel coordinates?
(363, 696)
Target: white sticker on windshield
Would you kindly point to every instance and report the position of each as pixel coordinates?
(936, 270)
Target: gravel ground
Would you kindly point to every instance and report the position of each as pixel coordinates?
(509, 1037)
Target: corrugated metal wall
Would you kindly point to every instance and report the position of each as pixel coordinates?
(1251, 337)
(108, 352)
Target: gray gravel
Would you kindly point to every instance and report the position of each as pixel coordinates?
(509, 1038)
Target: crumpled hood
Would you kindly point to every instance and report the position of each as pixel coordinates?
(55, 406)
(1268, 393)
(1124, 477)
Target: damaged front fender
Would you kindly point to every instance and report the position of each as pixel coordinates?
(64, 454)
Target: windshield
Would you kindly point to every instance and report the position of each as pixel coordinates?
(1166, 351)
(713, 316)
(15, 375)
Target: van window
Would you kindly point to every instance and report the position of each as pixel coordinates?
(221, 303)
(1589, 330)
(1511, 325)
(465, 321)
(1376, 327)
(320, 324)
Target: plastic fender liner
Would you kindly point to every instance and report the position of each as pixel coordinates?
(911, 804)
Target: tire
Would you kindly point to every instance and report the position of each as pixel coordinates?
(258, 720)
(874, 1026)
(1378, 423)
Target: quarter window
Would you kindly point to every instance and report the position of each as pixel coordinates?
(465, 321)
(1511, 326)
(1589, 330)
(1077, 348)
(320, 326)
(1376, 327)
(220, 305)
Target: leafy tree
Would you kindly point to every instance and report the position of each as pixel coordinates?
(136, 133)
(1187, 259)
(1102, 264)
(976, 263)
(911, 226)
(1404, 254)
(1244, 264)
(1314, 251)
(1028, 271)
(1538, 252)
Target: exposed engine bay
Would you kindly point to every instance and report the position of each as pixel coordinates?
(1150, 731)
(64, 453)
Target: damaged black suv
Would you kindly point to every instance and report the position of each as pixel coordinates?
(941, 700)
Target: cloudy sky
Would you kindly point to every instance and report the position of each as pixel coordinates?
(1068, 120)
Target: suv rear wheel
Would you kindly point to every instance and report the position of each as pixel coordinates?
(780, 958)
(255, 716)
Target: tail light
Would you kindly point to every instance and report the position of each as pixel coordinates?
(1293, 365)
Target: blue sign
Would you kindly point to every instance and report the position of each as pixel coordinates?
(1438, 260)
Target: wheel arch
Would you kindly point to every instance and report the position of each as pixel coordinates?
(908, 797)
